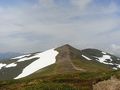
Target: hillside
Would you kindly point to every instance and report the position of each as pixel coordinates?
(62, 67)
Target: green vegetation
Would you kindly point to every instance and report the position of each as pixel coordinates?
(91, 66)
(50, 86)
(50, 78)
(73, 81)
(70, 72)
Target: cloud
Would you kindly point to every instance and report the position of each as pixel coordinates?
(43, 25)
(81, 4)
(115, 47)
(46, 3)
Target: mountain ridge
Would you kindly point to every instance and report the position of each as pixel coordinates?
(64, 59)
(66, 53)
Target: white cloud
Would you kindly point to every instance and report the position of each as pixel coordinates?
(108, 9)
(82, 4)
(112, 8)
(46, 3)
(20, 24)
(115, 47)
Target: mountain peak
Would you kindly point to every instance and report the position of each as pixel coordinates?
(64, 59)
(65, 47)
(68, 50)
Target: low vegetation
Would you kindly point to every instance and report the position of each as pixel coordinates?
(74, 81)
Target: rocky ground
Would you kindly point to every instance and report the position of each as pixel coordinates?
(112, 84)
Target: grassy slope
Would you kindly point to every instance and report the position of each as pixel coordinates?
(61, 76)
(74, 81)
(91, 66)
(12, 72)
(87, 66)
(50, 78)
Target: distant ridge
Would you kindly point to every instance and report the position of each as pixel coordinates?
(8, 55)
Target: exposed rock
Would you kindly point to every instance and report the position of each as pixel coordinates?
(112, 84)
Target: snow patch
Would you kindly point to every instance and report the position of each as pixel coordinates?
(104, 53)
(115, 68)
(118, 65)
(104, 58)
(29, 58)
(11, 65)
(118, 58)
(46, 58)
(19, 57)
(2, 65)
(86, 57)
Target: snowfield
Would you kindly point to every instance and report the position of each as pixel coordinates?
(45, 59)
(103, 59)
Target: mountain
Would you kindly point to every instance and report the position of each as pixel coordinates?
(64, 59)
(102, 57)
(8, 55)
(62, 68)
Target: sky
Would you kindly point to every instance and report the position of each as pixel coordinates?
(37, 25)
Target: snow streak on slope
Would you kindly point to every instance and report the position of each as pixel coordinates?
(11, 65)
(28, 58)
(104, 52)
(86, 57)
(2, 65)
(45, 59)
(19, 57)
(7, 65)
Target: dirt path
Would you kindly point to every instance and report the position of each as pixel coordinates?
(76, 68)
